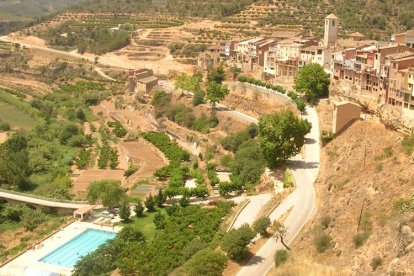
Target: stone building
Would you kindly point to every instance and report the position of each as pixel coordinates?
(141, 81)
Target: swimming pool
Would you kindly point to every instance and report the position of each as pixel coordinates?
(68, 254)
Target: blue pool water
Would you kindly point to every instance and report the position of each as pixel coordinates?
(68, 254)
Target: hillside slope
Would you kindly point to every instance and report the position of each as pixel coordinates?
(14, 14)
(365, 174)
(192, 8)
(374, 18)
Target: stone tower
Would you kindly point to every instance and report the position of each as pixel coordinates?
(331, 30)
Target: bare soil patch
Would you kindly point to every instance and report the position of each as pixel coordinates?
(3, 137)
(255, 103)
(146, 156)
(80, 185)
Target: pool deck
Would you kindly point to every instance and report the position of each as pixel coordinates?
(31, 257)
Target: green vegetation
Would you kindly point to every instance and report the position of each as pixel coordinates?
(313, 82)
(145, 223)
(281, 136)
(206, 262)
(216, 91)
(181, 114)
(167, 250)
(107, 156)
(55, 141)
(281, 256)
(360, 238)
(288, 180)
(376, 262)
(191, 8)
(132, 168)
(107, 192)
(261, 225)
(235, 242)
(16, 217)
(175, 171)
(14, 117)
(323, 242)
(100, 33)
(118, 129)
(248, 164)
(408, 144)
(365, 229)
(404, 205)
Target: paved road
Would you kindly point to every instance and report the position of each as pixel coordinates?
(40, 202)
(302, 201)
(250, 212)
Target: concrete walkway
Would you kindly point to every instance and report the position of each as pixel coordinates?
(40, 202)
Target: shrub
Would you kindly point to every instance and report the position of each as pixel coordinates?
(260, 226)
(119, 130)
(31, 219)
(376, 262)
(326, 221)
(287, 179)
(360, 238)
(132, 168)
(281, 257)
(234, 140)
(235, 242)
(206, 262)
(408, 145)
(323, 242)
(198, 97)
(4, 126)
(226, 160)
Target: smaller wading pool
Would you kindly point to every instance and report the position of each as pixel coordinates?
(69, 253)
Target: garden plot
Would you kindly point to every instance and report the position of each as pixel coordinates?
(147, 157)
(80, 185)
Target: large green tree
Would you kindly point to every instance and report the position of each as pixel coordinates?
(216, 92)
(14, 162)
(189, 83)
(206, 262)
(217, 75)
(235, 242)
(281, 136)
(108, 192)
(313, 81)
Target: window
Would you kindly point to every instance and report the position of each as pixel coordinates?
(333, 23)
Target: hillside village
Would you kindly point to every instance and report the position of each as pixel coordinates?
(137, 144)
(376, 74)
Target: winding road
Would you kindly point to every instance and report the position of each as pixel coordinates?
(302, 200)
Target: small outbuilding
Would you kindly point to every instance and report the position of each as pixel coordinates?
(83, 212)
(344, 114)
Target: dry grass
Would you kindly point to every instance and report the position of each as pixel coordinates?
(304, 266)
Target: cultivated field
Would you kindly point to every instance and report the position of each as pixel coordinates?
(146, 156)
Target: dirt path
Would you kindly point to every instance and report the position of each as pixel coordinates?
(102, 74)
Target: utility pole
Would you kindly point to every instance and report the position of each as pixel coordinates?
(360, 215)
(365, 152)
